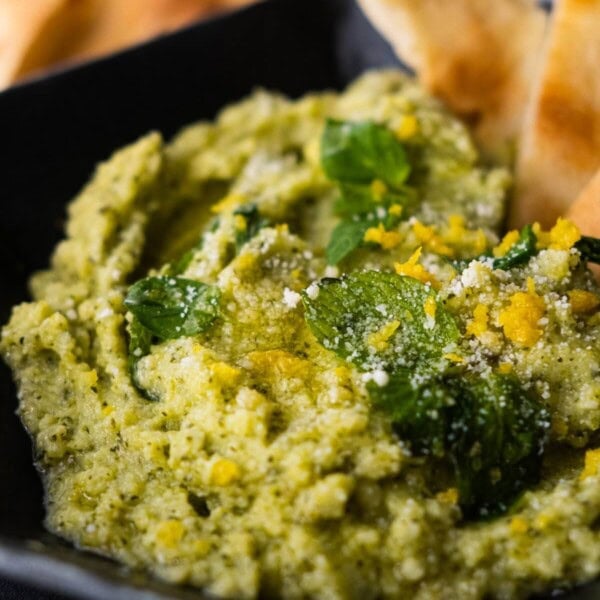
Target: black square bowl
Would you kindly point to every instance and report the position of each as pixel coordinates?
(54, 130)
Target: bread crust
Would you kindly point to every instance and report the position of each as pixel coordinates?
(559, 150)
(478, 56)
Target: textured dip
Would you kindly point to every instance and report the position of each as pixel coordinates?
(212, 401)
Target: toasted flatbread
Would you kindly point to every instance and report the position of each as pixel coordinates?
(38, 33)
(478, 56)
(123, 22)
(22, 26)
(585, 211)
(559, 149)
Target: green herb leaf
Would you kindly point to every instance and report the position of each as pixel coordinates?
(345, 237)
(171, 307)
(360, 152)
(357, 199)
(181, 264)
(519, 253)
(254, 223)
(589, 248)
(140, 341)
(496, 439)
(349, 233)
(418, 407)
(346, 312)
(491, 430)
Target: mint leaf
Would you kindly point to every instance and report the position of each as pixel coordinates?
(140, 341)
(348, 234)
(496, 439)
(181, 264)
(345, 237)
(346, 312)
(519, 253)
(418, 407)
(360, 152)
(166, 307)
(358, 199)
(357, 154)
(489, 429)
(254, 223)
(589, 248)
(171, 307)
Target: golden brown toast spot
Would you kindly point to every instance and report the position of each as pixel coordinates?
(560, 144)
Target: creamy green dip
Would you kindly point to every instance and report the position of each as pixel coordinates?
(211, 400)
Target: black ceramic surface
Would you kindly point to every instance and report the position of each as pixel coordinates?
(54, 130)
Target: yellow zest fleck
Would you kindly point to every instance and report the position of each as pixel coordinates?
(479, 325)
(90, 377)
(408, 127)
(449, 496)
(224, 472)
(431, 240)
(279, 363)
(239, 222)
(312, 152)
(282, 228)
(395, 210)
(245, 262)
(563, 236)
(592, 462)
(226, 373)
(342, 372)
(480, 242)
(412, 268)
(378, 189)
(508, 241)
(229, 202)
(542, 237)
(378, 340)
(543, 520)
(456, 229)
(430, 307)
(108, 410)
(583, 301)
(453, 357)
(518, 525)
(378, 235)
(505, 368)
(520, 319)
(457, 234)
(169, 533)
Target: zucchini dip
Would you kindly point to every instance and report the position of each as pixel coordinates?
(292, 354)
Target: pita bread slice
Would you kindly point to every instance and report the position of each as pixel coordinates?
(560, 146)
(478, 56)
(20, 24)
(38, 33)
(585, 212)
(123, 22)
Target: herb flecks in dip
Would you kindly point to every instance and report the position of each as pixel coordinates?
(290, 354)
